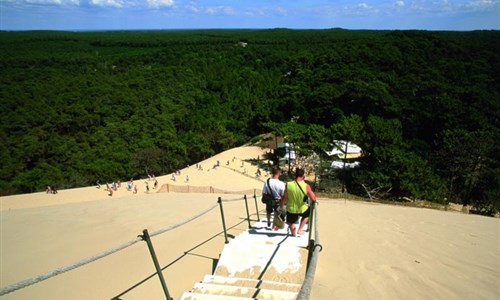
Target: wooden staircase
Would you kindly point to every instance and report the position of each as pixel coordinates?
(260, 263)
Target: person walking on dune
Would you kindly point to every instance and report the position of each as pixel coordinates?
(297, 193)
(272, 192)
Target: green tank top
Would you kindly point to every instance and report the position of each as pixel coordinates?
(295, 203)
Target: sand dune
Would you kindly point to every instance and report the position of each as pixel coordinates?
(376, 251)
(370, 251)
(228, 177)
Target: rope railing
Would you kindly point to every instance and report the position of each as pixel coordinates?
(232, 200)
(155, 233)
(314, 249)
(36, 279)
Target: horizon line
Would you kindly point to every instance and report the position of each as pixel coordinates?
(242, 28)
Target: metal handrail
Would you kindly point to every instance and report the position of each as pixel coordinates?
(314, 249)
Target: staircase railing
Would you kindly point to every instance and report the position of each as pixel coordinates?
(314, 248)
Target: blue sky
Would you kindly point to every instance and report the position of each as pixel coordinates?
(183, 14)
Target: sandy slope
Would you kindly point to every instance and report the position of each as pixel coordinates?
(228, 177)
(371, 251)
(375, 251)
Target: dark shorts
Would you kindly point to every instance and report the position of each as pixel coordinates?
(271, 207)
(291, 218)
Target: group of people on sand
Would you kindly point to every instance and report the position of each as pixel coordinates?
(294, 195)
(110, 187)
(154, 180)
(150, 178)
(131, 187)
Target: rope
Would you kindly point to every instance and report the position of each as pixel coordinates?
(232, 200)
(183, 222)
(30, 281)
(38, 278)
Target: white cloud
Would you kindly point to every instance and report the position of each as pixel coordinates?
(280, 10)
(266, 11)
(483, 4)
(50, 2)
(456, 7)
(360, 8)
(101, 3)
(160, 3)
(254, 12)
(363, 6)
(112, 3)
(220, 10)
(193, 9)
(400, 3)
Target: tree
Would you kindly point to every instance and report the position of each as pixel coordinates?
(465, 159)
(388, 164)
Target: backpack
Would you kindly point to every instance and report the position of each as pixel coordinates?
(269, 197)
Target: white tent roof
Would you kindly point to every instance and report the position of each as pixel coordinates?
(338, 147)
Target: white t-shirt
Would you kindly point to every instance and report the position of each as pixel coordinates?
(277, 186)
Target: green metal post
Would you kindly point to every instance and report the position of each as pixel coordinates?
(146, 238)
(223, 220)
(248, 212)
(256, 207)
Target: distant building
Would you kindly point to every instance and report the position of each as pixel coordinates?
(340, 164)
(339, 148)
(341, 157)
(285, 152)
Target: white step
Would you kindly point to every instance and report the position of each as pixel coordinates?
(238, 291)
(281, 260)
(197, 296)
(254, 283)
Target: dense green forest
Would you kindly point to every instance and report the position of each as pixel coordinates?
(423, 105)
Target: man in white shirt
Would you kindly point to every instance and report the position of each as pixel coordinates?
(274, 188)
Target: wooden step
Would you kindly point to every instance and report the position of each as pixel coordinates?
(239, 291)
(253, 283)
